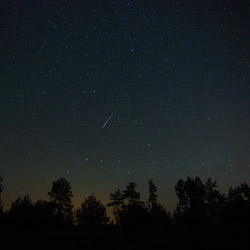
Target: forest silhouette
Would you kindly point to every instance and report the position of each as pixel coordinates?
(203, 219)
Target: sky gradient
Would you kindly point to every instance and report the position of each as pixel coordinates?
(174, 74)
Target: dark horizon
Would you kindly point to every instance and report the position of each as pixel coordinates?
(170, 207)
(203, 218)
(143, 197)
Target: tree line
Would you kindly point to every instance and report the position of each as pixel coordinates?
(199, 203)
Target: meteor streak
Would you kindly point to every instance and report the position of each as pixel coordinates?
(107, 120)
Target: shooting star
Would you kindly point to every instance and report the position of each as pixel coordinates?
(107, 120)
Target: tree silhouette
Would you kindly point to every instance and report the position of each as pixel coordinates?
(131, 194)
(240, 194)
(215, 202)
(128, 210)
(117, 202)
(133, 212)
(158, 214)
(92, 214)
(152, 188)
(60, 197)
(21, 204)
(44, 214)
(22, 213)
(238, 205)
(198, 202)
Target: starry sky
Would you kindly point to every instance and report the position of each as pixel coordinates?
(173, 75)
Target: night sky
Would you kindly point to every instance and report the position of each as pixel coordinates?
(172, 76)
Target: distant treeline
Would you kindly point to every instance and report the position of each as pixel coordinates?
(200, 203)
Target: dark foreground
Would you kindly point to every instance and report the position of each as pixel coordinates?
(176, 239)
